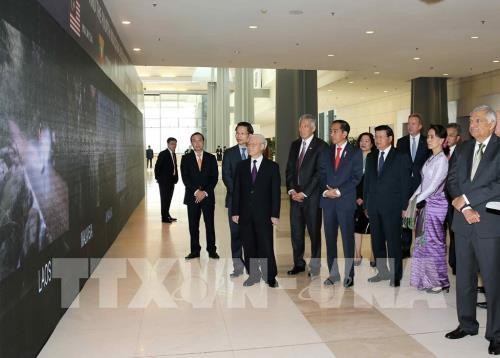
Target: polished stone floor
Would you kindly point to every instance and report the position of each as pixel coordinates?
(162, 306)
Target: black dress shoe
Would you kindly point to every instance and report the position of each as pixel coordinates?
(172, 219)
(235, 274)
(295, 270)
(373, 264)
(395, 283)
(458, 333)
(273, 284)
(329, 282)
(348, 282)
(480, 289)
(166, 221)
(214, 255)
(482, 305)
(494, 348)
(378, 277)
(192, 255)
(250, 281)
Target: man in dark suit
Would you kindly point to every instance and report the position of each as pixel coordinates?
(166, 175)
(149, 157)
(256, 208)
(414, 145)
(386, 194)
(233, 156)
(341, 172)
(473, 181)
(302, 179)
(200, 174)
(452, 139)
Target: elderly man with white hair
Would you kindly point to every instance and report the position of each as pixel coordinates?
(256, 208)
(473, 181)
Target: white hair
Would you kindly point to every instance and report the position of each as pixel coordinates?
(491, 115)
(262, 139)
(308, 117)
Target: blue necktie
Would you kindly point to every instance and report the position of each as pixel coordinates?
(243, 153)
(380, 162)
(413, 148)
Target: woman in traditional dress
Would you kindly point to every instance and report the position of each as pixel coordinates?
(428, 269)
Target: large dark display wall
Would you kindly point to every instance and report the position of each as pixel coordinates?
(71, 168)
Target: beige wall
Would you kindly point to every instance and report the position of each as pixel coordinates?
(392, 110)
(473, 91)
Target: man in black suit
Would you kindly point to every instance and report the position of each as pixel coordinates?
(453, 131)
(473, 181)
(414, 145)
(302, 179)
(166, 175)
(256, 208)
(233, 156)
(341, 172)
(149, 157)
(200, 174)
(386, 194)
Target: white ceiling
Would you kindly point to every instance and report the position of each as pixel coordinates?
(208, 33)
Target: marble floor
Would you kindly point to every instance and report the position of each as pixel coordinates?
(159, 305)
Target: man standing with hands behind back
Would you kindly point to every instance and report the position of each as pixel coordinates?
(302, 182)
(166, 175)
(473, 181)
(414, 145)
(256, 208)
(233, 156)
(200, 174)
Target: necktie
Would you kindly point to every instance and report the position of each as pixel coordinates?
(337, 158)
(254, 171)
(302, 154)
(380, 162)
(243, 153)
(198, 160)
(413, 148)
(475, 162)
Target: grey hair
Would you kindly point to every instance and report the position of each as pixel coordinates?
(491, 115)
(263, 139)
(308, 117)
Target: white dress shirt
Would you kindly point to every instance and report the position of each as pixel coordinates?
(259, 162)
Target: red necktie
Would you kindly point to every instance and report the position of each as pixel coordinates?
(337, 158)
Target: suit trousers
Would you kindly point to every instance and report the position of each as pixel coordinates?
(149, 162)
(194, 215)
(236, 243)
(452, 260)
(386, 242)
(258, 246)
(302, 215)
(473, 255)
(166, 193)
(335, 218)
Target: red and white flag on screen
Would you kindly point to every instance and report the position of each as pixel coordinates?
(74, 17)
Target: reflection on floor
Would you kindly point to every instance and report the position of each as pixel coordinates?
(163, 306)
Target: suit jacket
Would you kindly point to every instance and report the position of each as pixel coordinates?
(309, 171)
(194, 179)
(390, 190)
(231, 159)
(421, 156)
(164, 168)
(484, 188)
(149, 153)
(260, 200)
(345, 178)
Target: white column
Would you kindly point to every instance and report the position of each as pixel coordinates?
(210, 145)
(222, 109)
(244, 95)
